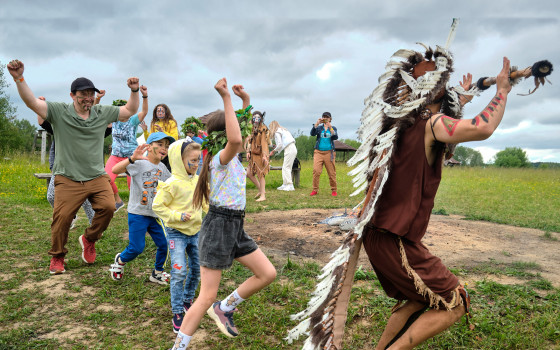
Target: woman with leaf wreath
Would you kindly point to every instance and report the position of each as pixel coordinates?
(258, 155)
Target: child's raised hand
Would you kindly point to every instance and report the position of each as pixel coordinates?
(144, 90)
(239, 90)
(221, 87)
(139, 152)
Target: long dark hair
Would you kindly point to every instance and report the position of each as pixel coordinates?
(216, 122)
(166, 120)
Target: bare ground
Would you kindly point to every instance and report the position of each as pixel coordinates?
(458, 242)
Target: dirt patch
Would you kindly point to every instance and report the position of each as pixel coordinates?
(458, 242)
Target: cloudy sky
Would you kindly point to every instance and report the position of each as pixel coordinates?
(297, 59)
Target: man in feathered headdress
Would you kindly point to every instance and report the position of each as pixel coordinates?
(410, 122)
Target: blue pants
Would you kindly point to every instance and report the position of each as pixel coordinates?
(138, 225)
(182, 285)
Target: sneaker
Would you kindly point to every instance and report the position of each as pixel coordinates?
(289, 188)
(88, 250)
(187, 305)
(224, 320)
(281, 188)
(313, 193)
(177, 321)
(334, 194)
(119, 206)
(117, 269)
(160, 277)
(57, 265)
(73, 224)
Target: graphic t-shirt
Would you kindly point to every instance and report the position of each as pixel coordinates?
(124, 137)
(227, 183)
(325, 140)
(143, 188)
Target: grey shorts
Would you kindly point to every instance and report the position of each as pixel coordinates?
(222, 238)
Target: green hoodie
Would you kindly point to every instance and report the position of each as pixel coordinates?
(175, 195)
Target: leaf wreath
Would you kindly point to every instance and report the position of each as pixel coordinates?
(191, 124)
(119, 103)
(216, 140)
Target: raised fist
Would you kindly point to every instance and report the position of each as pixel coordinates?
(15, 68)
(133, 83)
(144, 90)
(221, 87)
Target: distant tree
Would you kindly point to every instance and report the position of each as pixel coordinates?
(468, 156)
(512, 157)
(15, 135)
(305, 145)
(352, 143)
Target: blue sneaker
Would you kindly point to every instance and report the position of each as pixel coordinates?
(177, 321)
(224, 320)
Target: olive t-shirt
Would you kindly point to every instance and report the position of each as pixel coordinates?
(79, 142)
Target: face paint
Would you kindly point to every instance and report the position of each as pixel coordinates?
(84, 99)
(191, 161)
(160, 112)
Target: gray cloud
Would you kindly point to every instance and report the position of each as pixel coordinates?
(179, 50)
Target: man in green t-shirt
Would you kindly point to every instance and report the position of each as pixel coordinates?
(79, 172)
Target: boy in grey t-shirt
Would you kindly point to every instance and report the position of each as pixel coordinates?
(145, 173)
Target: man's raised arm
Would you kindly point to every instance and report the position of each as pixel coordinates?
(131, 106)
(481, 127)
(15, 68)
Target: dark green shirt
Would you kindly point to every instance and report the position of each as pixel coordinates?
(79, 142)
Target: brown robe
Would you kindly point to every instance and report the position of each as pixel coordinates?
(392, 239)
(258, 148)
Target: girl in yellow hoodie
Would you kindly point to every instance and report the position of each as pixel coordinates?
(174, 205)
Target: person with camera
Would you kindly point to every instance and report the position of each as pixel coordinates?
(324, 154)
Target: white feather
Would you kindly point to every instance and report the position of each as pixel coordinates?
(451, 35)
(404, 53)
(300, 329)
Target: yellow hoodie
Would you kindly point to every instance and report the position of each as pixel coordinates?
(169, 128)
(175, 195)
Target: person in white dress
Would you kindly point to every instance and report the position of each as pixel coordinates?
(284, 142)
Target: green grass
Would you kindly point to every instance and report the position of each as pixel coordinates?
(85, 309)
(520, 197)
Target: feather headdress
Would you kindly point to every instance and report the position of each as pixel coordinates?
(389, 110)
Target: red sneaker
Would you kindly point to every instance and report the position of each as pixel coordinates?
(57, 265)
(334, 194)
(313, 193)
(88, 250)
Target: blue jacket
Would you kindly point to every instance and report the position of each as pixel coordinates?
(316, 131)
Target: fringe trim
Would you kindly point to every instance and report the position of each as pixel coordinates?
(422, 288)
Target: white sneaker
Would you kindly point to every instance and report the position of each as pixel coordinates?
(73, 224)
(289, 188)
(281, 188)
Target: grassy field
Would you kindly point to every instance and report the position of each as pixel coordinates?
(85, 309)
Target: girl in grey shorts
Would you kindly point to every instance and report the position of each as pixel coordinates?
(222, 238)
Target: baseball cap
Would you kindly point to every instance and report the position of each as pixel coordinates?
(327, 114)
(160, 135)
(82, 84)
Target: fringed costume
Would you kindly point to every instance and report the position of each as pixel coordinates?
(401, 187)
(258, 147)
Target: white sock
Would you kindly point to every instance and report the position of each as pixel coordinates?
(182, 341)
(229, 303)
